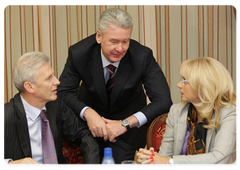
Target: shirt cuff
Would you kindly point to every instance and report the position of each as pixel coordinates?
(7, 160)
(171, 161)
(82, 111)
(141, 118)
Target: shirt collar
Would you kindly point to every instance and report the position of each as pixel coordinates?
(31, 111)
(105, 62)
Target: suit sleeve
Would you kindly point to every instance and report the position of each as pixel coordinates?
(69, 85)
(166, 148)
(76, 130)
(156, 88)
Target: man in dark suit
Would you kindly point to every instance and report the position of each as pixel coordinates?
(119, 117)
(34, 78)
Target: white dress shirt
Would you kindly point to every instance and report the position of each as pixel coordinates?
(34, 127)
(139, 115)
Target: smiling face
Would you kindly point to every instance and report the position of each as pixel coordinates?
(115, 43)
(45, 88)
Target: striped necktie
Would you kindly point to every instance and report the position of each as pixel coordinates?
(48, 146)
(109, 84)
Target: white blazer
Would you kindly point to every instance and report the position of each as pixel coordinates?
(219, 142)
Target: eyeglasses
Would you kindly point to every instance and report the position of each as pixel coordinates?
(184, 81)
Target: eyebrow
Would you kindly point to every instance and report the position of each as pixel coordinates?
(49, 74)
(113, 39)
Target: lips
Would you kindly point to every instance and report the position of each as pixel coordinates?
(117, 55)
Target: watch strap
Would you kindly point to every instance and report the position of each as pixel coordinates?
(126, 125)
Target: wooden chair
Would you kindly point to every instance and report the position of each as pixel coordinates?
(155, 132)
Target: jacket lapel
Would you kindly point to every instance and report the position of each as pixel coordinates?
(181, 132)
(51, 116)
(96, 69)
(22, 127)
(210, 134)
(122, 75)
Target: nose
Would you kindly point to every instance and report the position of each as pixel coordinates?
(179, 85)
(56, 81)
(119, 48)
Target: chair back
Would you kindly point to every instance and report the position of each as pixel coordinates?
(156, 131)
(72, 153)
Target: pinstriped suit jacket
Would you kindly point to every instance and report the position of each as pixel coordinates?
(63, 123)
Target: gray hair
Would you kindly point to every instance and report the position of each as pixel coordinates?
(25, 68)
(114, 17)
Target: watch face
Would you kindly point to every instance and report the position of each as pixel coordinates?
(125, 122)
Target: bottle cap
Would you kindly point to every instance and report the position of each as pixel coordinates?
(108, 152)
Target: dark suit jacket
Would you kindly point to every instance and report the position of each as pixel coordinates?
(138, 67)
(63, 123)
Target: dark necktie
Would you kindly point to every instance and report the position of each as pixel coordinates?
(48, 146)
(109, 84)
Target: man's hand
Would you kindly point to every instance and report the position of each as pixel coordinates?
(114, 129)
(23, 161)
(96, 124)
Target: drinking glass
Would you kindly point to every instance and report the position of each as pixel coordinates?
(128, 162)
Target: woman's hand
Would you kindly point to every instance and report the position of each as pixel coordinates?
(145, 156)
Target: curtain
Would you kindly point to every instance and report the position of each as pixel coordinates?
(174, 33)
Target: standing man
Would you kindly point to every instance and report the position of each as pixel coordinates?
(35, 120)
(111, 69)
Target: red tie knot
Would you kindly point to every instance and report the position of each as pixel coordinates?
(111, 68)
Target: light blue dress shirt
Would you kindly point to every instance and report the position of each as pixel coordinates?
(139, 115)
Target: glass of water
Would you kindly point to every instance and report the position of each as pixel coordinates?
(128, 162)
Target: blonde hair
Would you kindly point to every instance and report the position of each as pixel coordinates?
(212, 83)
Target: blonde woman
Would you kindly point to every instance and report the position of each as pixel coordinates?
(201, 129)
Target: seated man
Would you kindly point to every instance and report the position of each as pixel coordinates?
(35, 120)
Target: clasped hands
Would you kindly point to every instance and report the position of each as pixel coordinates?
(145, 156)
(102, 127)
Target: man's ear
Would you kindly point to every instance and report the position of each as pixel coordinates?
(28, 87)
(98, 37)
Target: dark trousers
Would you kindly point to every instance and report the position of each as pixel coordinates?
(121, 150)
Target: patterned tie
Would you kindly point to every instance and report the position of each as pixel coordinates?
(109, 84)
(48, 146)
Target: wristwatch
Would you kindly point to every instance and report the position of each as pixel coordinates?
(125, 123)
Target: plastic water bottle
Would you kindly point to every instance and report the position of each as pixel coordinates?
(108, 159)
